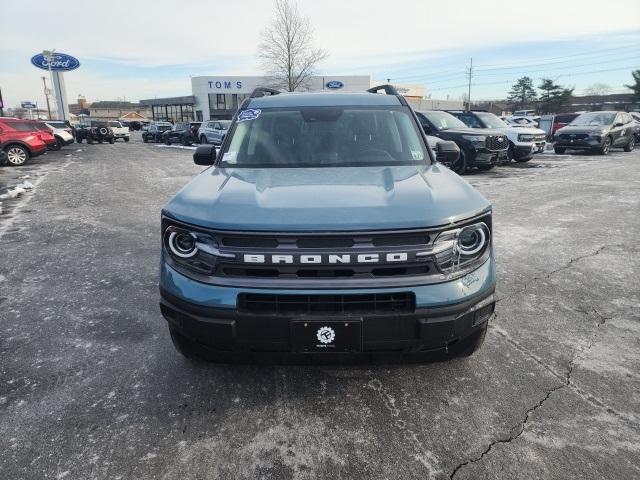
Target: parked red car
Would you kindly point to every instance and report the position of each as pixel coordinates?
(562, 120)
(46, 134)
(20, 140)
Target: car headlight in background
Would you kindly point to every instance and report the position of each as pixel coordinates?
(462, 249)
(194, 250)
(475, 138)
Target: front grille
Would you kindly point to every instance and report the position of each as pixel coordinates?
(369, 304)
(497, 142)
(351, 245)
(574, 136)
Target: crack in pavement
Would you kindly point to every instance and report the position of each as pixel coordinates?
(566, 382)
(553, 272)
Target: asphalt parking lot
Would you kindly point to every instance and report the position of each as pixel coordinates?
(91, 387)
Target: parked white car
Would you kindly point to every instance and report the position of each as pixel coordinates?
(62, 133)
(524, 142)
(119, 130)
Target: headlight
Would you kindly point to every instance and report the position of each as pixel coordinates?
(526, 138)
(194, 250)
(463, 248)
(475, 138)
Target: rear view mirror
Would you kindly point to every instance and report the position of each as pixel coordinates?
(447, 152)
(205, 155)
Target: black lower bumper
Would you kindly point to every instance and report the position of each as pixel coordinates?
(425, 330)
(579, 144)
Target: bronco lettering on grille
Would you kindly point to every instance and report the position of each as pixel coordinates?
(327, 259)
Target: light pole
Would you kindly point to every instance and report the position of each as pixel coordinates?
(48, 55)
(46, 95)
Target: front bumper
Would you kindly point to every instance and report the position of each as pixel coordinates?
(523, 150)
(581, 144)
(489, 157)
(445, 314)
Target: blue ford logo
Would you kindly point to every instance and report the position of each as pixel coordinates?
(60, 62)
(334, 84)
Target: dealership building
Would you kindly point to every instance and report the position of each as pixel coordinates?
(216, 98)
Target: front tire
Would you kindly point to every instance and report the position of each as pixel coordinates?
(606, 147)
(167, 142)
(461, 165)
(485, 168)
(17, 155)
(126, 139)
(203, 140)
(144, 139)
(559, 150)
(631, 145)
(523, 160)
(57, 146)
(112, 141)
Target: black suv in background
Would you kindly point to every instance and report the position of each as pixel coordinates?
(184, 133)
(155, 131)
(599, 131)
(479, 147)
(94, 131)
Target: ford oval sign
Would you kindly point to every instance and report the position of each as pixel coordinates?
(334, 84)
(60, 62)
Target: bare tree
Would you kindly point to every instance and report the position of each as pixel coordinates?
(598, 89)
(287, 52)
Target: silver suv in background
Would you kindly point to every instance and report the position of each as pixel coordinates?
(213, 131)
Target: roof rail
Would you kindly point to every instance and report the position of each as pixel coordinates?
(263, 92)
(388, 89)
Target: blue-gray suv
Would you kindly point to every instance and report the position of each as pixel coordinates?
(326, 228)
(213, 131)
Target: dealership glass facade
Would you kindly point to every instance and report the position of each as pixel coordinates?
(172, 113)
(223, 105)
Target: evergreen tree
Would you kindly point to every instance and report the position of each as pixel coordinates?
(522, 93)
(636, 86)
(553, 96)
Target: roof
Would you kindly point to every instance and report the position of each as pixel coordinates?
(115, 104)
(322, 99)
(186, 100)
(133, 116)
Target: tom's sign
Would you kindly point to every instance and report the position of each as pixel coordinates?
(60, 62)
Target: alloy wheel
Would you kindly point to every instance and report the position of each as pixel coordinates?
(17, 156)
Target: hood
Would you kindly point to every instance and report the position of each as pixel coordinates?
(519, 130)
(325, 199)
(582, 129)
(470, 131)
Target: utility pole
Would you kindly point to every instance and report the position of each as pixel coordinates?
(46, 95)
(470, 73)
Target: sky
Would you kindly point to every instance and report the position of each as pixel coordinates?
(150, 48)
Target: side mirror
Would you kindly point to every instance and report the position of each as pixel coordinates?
(618, 124)
(205, 155)
(447, 152)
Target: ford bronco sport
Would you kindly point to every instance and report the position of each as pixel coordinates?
(326, 227)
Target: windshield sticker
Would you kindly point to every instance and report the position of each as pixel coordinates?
(250, 114)
(417, 155)
(229, 157)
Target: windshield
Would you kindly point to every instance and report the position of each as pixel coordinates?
(491, 121)
(324, 137)
(163, 128)
(444, 120)
(115, 124)
(594, 119)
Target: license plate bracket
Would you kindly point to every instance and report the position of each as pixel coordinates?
(331, 336)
